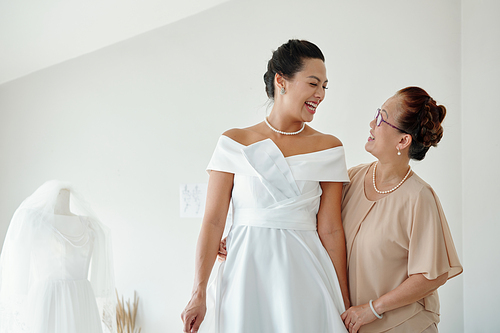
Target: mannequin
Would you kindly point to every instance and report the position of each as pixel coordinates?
(62, 203)
(56, 272)
(65, 221)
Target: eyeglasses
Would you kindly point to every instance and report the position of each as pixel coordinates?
(378, 117)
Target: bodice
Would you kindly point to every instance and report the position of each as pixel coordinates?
(274, 191)
(64, 255)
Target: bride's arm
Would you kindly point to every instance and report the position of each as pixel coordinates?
(219, 189)
(331, 232)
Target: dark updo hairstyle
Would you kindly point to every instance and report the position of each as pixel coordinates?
(421, 117)
(288, 59)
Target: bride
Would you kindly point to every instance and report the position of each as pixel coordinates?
(286, 267)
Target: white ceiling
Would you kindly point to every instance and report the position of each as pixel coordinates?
(36, 34)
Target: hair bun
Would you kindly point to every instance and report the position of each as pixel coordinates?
(421, 117)
(431, 130)
(287, 60)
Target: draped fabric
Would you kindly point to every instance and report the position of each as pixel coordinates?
(388, 240)
(277, 277)
(52, 280)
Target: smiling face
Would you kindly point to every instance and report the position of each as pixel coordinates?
(305, 91)
(384, 139)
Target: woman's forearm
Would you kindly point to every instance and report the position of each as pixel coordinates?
(334, 243)
(206, 253)
(331, 233)
(218, 198)
(411, 290)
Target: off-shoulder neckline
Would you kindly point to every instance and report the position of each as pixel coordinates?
(291, 156)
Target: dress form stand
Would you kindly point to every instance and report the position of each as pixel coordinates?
(64, 220)
(62, 203)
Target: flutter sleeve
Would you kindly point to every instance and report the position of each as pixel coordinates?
(431, 248)
(228, 157)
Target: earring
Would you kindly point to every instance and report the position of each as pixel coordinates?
(282, 91)
(399, 153)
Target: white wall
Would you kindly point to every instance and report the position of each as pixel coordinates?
(480, 148)
(129, 123)
(58, 30)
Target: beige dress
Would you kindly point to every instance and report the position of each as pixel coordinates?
(388, 240)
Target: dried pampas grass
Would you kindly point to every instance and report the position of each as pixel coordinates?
(125, 317)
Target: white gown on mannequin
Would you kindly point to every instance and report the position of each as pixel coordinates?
(61, 299)
(45, 283)
(278, 277)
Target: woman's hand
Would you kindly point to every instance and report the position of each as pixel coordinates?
(222, 254)
(357, 316)
(194, 313)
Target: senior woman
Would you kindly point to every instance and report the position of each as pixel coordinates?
(399, 245)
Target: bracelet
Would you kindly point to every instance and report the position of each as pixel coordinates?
(375, 312)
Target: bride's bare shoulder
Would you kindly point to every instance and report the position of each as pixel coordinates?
(325, 141)
(245, 136)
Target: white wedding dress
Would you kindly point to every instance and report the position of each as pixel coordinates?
(277, 277)
(61, 299)
(46, 285)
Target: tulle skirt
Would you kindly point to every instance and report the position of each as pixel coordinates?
(63, 306)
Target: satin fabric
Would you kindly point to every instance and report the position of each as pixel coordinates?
(277, 277)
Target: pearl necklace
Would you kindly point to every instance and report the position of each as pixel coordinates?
(392, 189)
(284, 133)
